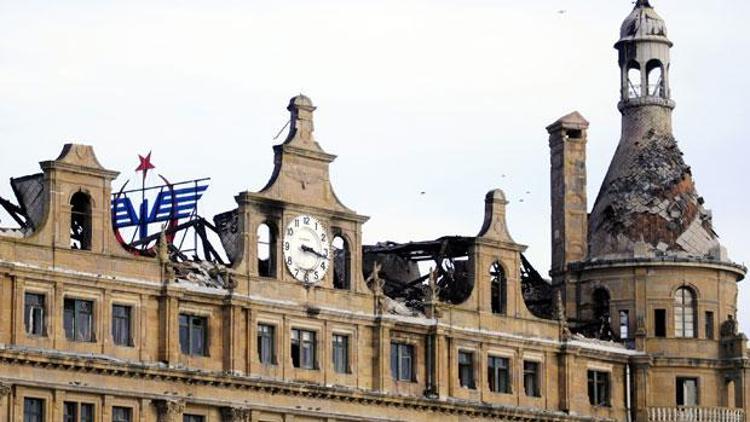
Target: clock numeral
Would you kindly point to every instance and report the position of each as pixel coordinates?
(286, 246)
(325, 252)
(323, 237)
(289, 231)
(296, 272)
(316, 225)
(323, 265)
(307, 276)
(296, 222)
(289, 260)
(306, 220)
(317, 277)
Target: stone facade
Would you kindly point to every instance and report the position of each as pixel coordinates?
(485, 339)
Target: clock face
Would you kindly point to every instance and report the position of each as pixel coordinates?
(306, 249)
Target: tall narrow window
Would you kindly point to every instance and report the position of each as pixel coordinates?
(466, 369)
(598, 388)
(499, 289)
(193, 335)
(687, 391)
(267, 344)
(33, 410)
(121, 323)
(341, 263)
(600, 306)
(498, 374)
(660, 322)
(531, 379)
(78, 319)
(709, 325)
(193, 418)
(402, 362)
(80, 221)
(341, 353)
(624, 325)
(122, 414)
(266, 251)
(655, 78)
(634, 80)
(684, 313)
(34, 314)
(303, 349)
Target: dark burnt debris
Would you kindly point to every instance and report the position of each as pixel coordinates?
(449, 257)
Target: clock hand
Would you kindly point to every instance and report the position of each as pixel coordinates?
(306, 248)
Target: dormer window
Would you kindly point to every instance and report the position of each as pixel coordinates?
(80, 222)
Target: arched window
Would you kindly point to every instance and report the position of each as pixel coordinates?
(634, 80)
(80, 221)
(600, 306)
(266, 250)
(499, 289)
(655, 78)
(341, 263)
(684, 312)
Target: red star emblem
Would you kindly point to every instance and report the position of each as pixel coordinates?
(145, 165)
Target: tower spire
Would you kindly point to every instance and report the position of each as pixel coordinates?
(642, 3)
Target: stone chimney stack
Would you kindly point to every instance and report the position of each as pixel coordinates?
(567, 142)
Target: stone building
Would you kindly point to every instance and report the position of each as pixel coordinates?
(306, 323)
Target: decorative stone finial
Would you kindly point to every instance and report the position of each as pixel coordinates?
(301, 121)
(562, 320)
(376, 285)
(494, 226)
(169, 410)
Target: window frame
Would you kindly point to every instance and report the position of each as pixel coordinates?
(404, 352)
(466, 369)
(341, 349)
(495, 373)
(35, 315)
(685, 305)
(599, 383)
(310, 345)
(624, 324)
(128, 322)
(709, 322)
(79, 408)
(36, 417)
(660, 330)
(187, 345)
(537, 378)
(74, 333)
(128, 411)
(189, 417)
(270, 336)
(680, 392)
(498, 289)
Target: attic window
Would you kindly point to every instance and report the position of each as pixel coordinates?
(574, 133)
(80, 222)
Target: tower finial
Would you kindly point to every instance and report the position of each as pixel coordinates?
(643, 3)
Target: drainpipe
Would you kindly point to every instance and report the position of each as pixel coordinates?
(627, 393)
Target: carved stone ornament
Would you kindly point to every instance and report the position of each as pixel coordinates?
(5, 389)
(169, 410)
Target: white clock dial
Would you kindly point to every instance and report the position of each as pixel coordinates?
(307, 249)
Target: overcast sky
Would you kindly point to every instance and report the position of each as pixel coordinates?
(449, 98)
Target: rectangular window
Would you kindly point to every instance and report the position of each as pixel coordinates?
(687, 391)
(466, 369)
(33, 410)
(193, 418)
(34, 314)
(598, 388)
(267, 344)
(303, 349)
(122, 414)
(498, 374)
(402, 362)
(78, 320)
(624, 325)
(710, 325)
(193, 335)
(660, 322)
(121, 323)
(341, 353)
(531, 379)
(75, 412)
